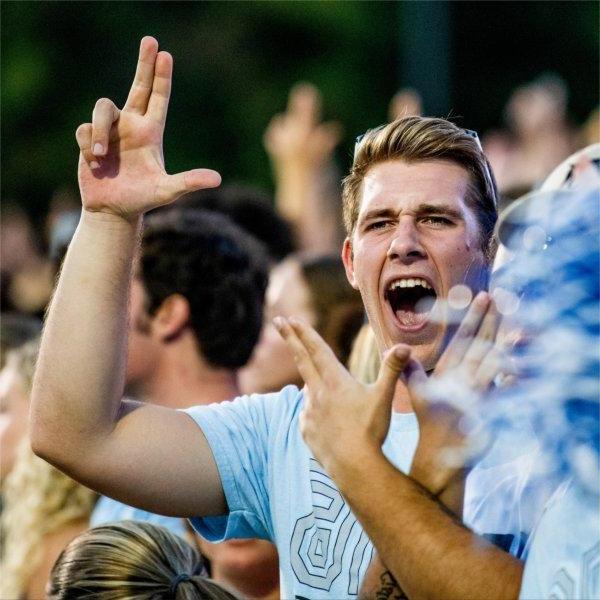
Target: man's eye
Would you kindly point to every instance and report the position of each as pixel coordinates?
(377, 225)
(435, 220)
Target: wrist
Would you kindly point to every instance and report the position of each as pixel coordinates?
(296, 167)
(351, 466)
(110, 220)
(432, 472)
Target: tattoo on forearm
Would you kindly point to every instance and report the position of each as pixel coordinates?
(389, 588)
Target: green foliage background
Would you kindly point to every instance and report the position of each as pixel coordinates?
(235, 62)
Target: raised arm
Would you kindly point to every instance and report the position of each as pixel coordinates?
(301, 149)
(147, 456)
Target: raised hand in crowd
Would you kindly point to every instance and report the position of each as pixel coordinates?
(121, 164)
(301, 148)
(79, 421)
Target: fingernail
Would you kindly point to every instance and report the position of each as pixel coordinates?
(94, 165)
(98, 148)
(278, 322)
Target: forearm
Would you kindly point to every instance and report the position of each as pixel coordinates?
(80, 373)
(428, 551)
(302, 198)
(447, 485)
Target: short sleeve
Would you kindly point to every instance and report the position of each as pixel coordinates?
(239, 434)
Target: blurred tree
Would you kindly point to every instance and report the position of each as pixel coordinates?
(236, 61)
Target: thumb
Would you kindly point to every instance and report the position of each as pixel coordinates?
(188, 181)
(393, 363)
(415, 377)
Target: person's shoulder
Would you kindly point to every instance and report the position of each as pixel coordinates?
(271, 406)
(286, 402)
(290, 393)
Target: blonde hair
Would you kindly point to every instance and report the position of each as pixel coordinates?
(131, 560)
(24, 359)
(364, 361)
(38, 500)
(413, 139)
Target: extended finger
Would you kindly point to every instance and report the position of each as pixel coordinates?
(483, 341)
(141, 88)
(329, 135)
(305, 104)
(415, 377)
(323, 357)
(302, 357)
(161, 87)
(83, 135)
(393, 363)
(463, 337)
(104, 115)
(496, 363)
(171, 187)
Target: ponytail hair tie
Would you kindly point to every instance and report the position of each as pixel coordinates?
(177, 580)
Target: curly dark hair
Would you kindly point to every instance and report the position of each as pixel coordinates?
(251, 209)
(218, 268)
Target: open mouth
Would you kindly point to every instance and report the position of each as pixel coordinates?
(411, 300)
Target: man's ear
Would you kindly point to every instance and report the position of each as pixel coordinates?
(348, 260)
(171, 317)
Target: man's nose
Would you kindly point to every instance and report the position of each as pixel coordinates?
(406, 244)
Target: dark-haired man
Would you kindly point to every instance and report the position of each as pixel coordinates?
(195, 314)
(425, 206)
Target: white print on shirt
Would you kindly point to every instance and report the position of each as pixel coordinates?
(320, 539)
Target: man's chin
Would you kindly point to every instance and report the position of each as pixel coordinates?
(427, 349)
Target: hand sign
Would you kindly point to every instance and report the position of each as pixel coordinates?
(121, 164)
(341, 417)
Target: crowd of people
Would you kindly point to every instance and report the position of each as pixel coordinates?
(220, 406)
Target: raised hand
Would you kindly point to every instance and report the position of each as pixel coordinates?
(298, 135)
(465, 371)
(121, 163)
(357, 416)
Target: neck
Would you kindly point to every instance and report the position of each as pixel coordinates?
(183, 381)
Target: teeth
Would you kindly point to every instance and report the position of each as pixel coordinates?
(409, 283)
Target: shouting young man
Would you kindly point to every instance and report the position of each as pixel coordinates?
(420, 209)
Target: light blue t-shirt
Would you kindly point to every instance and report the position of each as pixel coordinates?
(108, 510)
(277, 491)
(563, 560)
(503, 498)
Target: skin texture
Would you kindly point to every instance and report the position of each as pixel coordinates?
(159, 360)
(398, 234)
(142, 350)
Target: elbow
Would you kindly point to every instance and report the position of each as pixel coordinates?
(42, 439)
(40, 444)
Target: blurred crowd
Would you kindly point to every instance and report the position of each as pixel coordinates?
(213, 272)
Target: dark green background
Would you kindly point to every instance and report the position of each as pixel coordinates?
(235, 63)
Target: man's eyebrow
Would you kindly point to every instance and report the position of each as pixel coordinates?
(439, 209)
(378, 213)
(429, 209)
